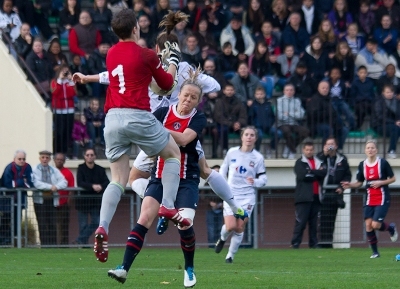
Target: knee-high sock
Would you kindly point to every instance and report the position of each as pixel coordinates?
(134, 245)
(139, 186)
(109, 203)
(373, 241)
(170, 181)
(188, 245)
(384, 227)
(224, 233)
(219, 185)
(236, 240)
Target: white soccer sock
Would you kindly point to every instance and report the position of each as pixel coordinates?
(170, 180)
(109, 203)
(224, 233)
(221, 188)
(236, 240)
(139, 186)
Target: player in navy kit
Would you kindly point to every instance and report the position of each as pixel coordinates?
(185, 124)
(378, 174)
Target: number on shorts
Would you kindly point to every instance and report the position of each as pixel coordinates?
(119, 70)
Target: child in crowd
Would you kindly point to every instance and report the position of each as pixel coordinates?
(286, 65)
(227, 63)
(366, 18)
(80, 135)
(355, 41)
(344, 60)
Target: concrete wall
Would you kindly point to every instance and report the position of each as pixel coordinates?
(25, 122)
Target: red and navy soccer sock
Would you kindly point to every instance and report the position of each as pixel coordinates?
(134, 245)
(188, 245)
(373, 241)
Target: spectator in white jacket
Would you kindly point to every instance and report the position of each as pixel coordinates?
(48, 180)
(9, 20)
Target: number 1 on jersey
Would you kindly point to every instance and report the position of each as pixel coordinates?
(120, 72)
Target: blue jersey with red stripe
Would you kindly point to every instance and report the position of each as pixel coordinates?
(171, 120)
(379, 170)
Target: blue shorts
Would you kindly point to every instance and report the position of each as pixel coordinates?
(187, 197)
(377, 213)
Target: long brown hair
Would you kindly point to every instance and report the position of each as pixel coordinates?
(326, 36)
(257, 17)
(338, 55)
(169, 21)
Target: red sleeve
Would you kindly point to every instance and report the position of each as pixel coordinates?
(56, 90)
(70, 180)
(73, 43)
(98, 38)
(162, 78)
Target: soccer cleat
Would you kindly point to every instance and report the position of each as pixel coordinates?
(219, 245)
(375, 255)
(162, 225)
(189, 278)
(101, 244)
(173, 215)
(119, 274)
(393, 232)
(242, 214)
(229, 260)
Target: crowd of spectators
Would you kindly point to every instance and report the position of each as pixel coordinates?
(337, 55)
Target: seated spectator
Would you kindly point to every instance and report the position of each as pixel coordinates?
(245, 84)
(295, 35)
(311, 17)
(304, 84)
(80, 136)
(290, 116)
(233, 7)
(328, 37)
(229, 114)
(23, 44)
(191, 52)
(140, 8)
(362, 95)
(55, 54)
(215, 15)
(396, 54)
(389, 8)
(84, 37)
(68, 18)
(240, 38)
(63, 94)
(161, 9)
(39, 63)
(96, 64)
(386, 118)
(338, 94)
(145, 30)
(181, 32)
(194, 13)
(262, 117)
(77, 66)
(366, 18)
(253, 17)
(316, 59)
(373, 58)
(101, 19)
(285, 65)
(340, 18)
(279, 16)
(355, 41)
(325, 6)
(389, 77)
(9, 20)
(210, 69)
(226, 62)
(321, 116)
(344, 60)
(270, 38)
(386, 36)
(95, 117)
(205, 38)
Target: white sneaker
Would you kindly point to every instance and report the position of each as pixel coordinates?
(286, 152)
(189, 278)
(392, 155)
(291, 156)
(118, 274)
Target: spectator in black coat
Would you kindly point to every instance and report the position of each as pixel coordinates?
(23, 44)
(191, 52)
(97, 64)
(388, 78)
(304, 85)
(316, 59)
(146, 31)
(101, 19)
(68, 18)
(226, 62)
(311, 17)
(295, 35)
(77, 66)
(95, 117)
(344, 60)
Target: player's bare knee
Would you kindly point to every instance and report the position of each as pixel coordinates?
(135, 174)
(376, 225)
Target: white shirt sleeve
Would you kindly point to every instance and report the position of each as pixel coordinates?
(208, 83)
(103, 78)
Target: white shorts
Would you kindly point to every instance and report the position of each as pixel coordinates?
(125, 126)
(246, 202)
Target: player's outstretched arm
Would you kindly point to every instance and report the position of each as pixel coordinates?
(82, 78)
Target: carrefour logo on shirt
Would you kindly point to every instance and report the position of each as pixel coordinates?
(241, 170)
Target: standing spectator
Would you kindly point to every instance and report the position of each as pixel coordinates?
(62, 210)
(69, 17)
(96, 64)
(290, 115)
(146, 31)
(386, 118)
(240, 38)
(161, 10)
(389, 77)
(245, 84)
(327, 36)
(95, 121)
(191, 52)
(304, 84)
(338, 171)
(362, 95)
(17, 174)
(55, 54)
(253, 17)
(226, 62)
(344, 60)
(77, 66)
(10, 22)
(23, 44)
(94, 180)
(48, 180)
(295, 35)
(340, 18)
(80, 136)
(378, 174)
(310, 172)
(229, 114)
(270, 38)
(101, 19)
(84, 37)
(389, 8)
(355, 41)
(286, 64)
(366, 18)
(279, 16)
(316, 59)
(63, 93)
(311, 17)
(386, 36)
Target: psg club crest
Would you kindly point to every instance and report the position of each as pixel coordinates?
(252, 164)
(177, 125)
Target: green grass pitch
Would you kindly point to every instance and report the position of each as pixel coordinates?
(163, 268)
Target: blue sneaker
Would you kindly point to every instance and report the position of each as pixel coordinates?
(162, 225)
(242, 214)
(189, 278)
